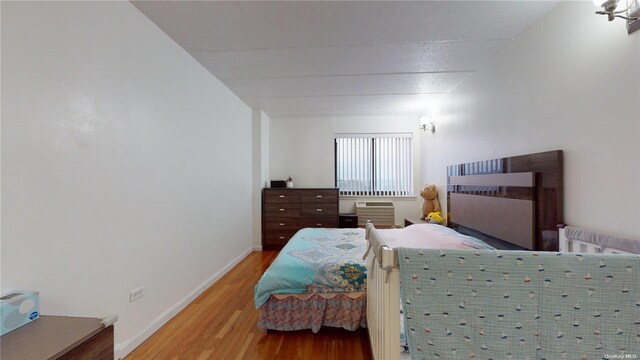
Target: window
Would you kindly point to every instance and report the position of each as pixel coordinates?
(374, 164)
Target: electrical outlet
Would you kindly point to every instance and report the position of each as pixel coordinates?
(136, 294)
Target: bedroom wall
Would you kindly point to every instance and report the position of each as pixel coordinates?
(260, 150)
(124, 164)
(571, 82)
(303, 148)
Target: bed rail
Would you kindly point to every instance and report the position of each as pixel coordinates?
(573, 239)
(383, 297)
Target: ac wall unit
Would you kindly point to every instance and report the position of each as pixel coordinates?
(380, 213)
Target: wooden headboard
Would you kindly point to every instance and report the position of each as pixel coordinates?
(516, 199)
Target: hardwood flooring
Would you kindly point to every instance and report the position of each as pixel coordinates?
(221, 324)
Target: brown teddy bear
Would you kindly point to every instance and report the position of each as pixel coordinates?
(430, 203)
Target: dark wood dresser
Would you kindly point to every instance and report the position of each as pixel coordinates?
(285, 211)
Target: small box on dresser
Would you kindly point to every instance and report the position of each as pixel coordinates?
(285, 211)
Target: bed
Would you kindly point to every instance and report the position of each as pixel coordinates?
(517, 201)
(319, 278)
(568, 284)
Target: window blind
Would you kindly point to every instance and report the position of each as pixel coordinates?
(374, 164)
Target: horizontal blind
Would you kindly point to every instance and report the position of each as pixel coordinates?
(374, 164)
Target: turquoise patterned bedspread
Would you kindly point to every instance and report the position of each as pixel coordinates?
(520, 305)
(316, 260)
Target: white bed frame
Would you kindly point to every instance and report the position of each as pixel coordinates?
(383, 291)
(383, 300)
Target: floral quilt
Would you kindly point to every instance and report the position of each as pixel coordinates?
(316, 260)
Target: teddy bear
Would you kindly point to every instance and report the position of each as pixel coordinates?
(430, 202)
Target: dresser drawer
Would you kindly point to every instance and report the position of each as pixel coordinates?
(281, 209)
(281, 195)
(319, 222)
(282, 223)
(319, 209)
(319, 195)
(278, 238)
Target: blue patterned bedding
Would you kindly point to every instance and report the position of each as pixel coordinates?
(316, 260)
(520, 304)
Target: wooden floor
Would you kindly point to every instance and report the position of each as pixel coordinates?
(221, 324)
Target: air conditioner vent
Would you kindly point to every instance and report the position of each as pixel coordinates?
(378, 212)
(378, 203)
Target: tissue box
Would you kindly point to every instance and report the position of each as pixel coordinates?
(18, 308)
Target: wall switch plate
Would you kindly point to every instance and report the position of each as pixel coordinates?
(136, 294)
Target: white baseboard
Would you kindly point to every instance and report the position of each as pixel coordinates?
(124, 348)
(257, 248)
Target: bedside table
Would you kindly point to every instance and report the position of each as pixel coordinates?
(59, 337)
(411, 221)
(347, 220)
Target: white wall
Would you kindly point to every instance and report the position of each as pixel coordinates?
(303, 148)
(124, 163)
(570, 82)
(260, 142)
(265, 123)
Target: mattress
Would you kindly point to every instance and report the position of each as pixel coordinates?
(430, 236)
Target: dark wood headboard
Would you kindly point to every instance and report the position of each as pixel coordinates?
(516, 199)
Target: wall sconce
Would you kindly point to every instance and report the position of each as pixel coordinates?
(427, 125)
(611, 8)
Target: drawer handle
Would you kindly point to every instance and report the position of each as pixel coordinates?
(318, 196)
(318, 224)
(318, 210)
(281, 237)
(281, 224)
(281, 209)
(282, 196)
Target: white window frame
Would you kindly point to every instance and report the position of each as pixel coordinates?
(380, 164)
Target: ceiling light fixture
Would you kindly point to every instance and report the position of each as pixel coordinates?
(611, 8)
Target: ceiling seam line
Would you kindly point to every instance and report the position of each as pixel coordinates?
(350, 45)
(345, 95)
(346, 75)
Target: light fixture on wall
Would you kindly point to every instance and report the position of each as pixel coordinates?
(623, 9)
(427, 124)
